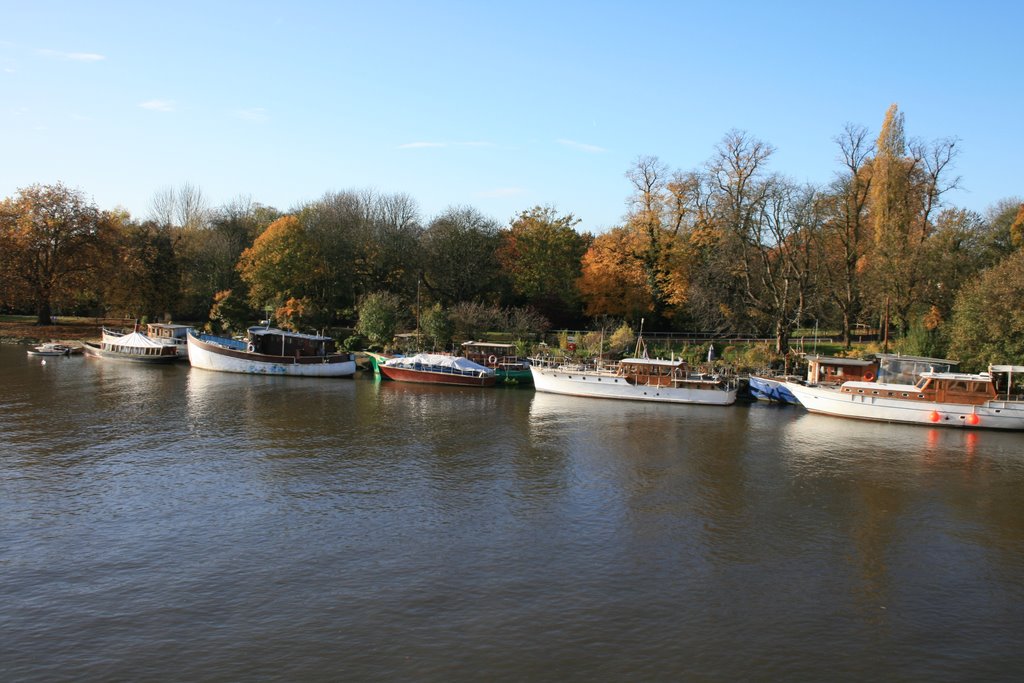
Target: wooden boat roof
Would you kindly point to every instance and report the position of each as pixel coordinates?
(1006, 368)
(915, 359)
(835, 360)
(168, 326)
(658, 362)
(488, 345)
(964, 376)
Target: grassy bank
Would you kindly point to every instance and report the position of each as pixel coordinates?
(22, 329)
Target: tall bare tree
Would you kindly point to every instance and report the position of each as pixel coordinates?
(844, 239)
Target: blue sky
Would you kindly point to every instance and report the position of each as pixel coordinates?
(499, 106)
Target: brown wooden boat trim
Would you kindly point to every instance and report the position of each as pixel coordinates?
(267, 358)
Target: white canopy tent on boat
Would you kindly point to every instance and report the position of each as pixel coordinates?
(422, 360)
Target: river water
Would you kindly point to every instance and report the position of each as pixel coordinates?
(165, 523)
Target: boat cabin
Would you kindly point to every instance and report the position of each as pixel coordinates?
(933, 387)
(896, 368)
(649, 372)
(833, 370)
(167, 331)
(663, 373)
(1008, 381)
(491, 354)
(274, 342)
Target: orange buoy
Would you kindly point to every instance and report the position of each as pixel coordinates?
(973, 419)
(935, 417)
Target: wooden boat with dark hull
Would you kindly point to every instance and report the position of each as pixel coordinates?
(270, 351)
(432, 368)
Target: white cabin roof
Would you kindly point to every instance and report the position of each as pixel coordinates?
(656, 362)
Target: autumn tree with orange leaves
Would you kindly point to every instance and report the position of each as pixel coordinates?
(280, 269)
(51, 241)
(641, 268)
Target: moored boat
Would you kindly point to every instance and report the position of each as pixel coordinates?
(638, 379)
(987, 400)
(502, 358)
(833, 371)
(434, 368)
(134, 347)
(820, 370)
(271, 351)
(772, 389)
(50, 349)
(171, 334)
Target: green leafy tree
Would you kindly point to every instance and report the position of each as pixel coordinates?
(381, 315)
(459, 263)
(988, 317)
(541, 254)
(436, 325)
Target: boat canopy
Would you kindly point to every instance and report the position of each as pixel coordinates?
(436, 360)
(135, 340)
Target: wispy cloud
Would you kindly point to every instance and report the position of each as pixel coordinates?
(72, 56)
(435, 145)
(253, 114)
(500, 192)
(581, 146)
(158, 105)
(421, 145)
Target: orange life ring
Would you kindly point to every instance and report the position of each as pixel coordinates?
(868, 376)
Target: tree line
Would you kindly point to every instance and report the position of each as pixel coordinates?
(729, 247)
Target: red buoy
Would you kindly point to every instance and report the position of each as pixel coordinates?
(973, 419)
(935, 417)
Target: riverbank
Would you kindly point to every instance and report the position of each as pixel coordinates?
(23, 330)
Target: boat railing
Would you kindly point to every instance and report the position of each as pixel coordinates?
(233, 344)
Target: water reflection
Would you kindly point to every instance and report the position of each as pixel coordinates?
(399, 531)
